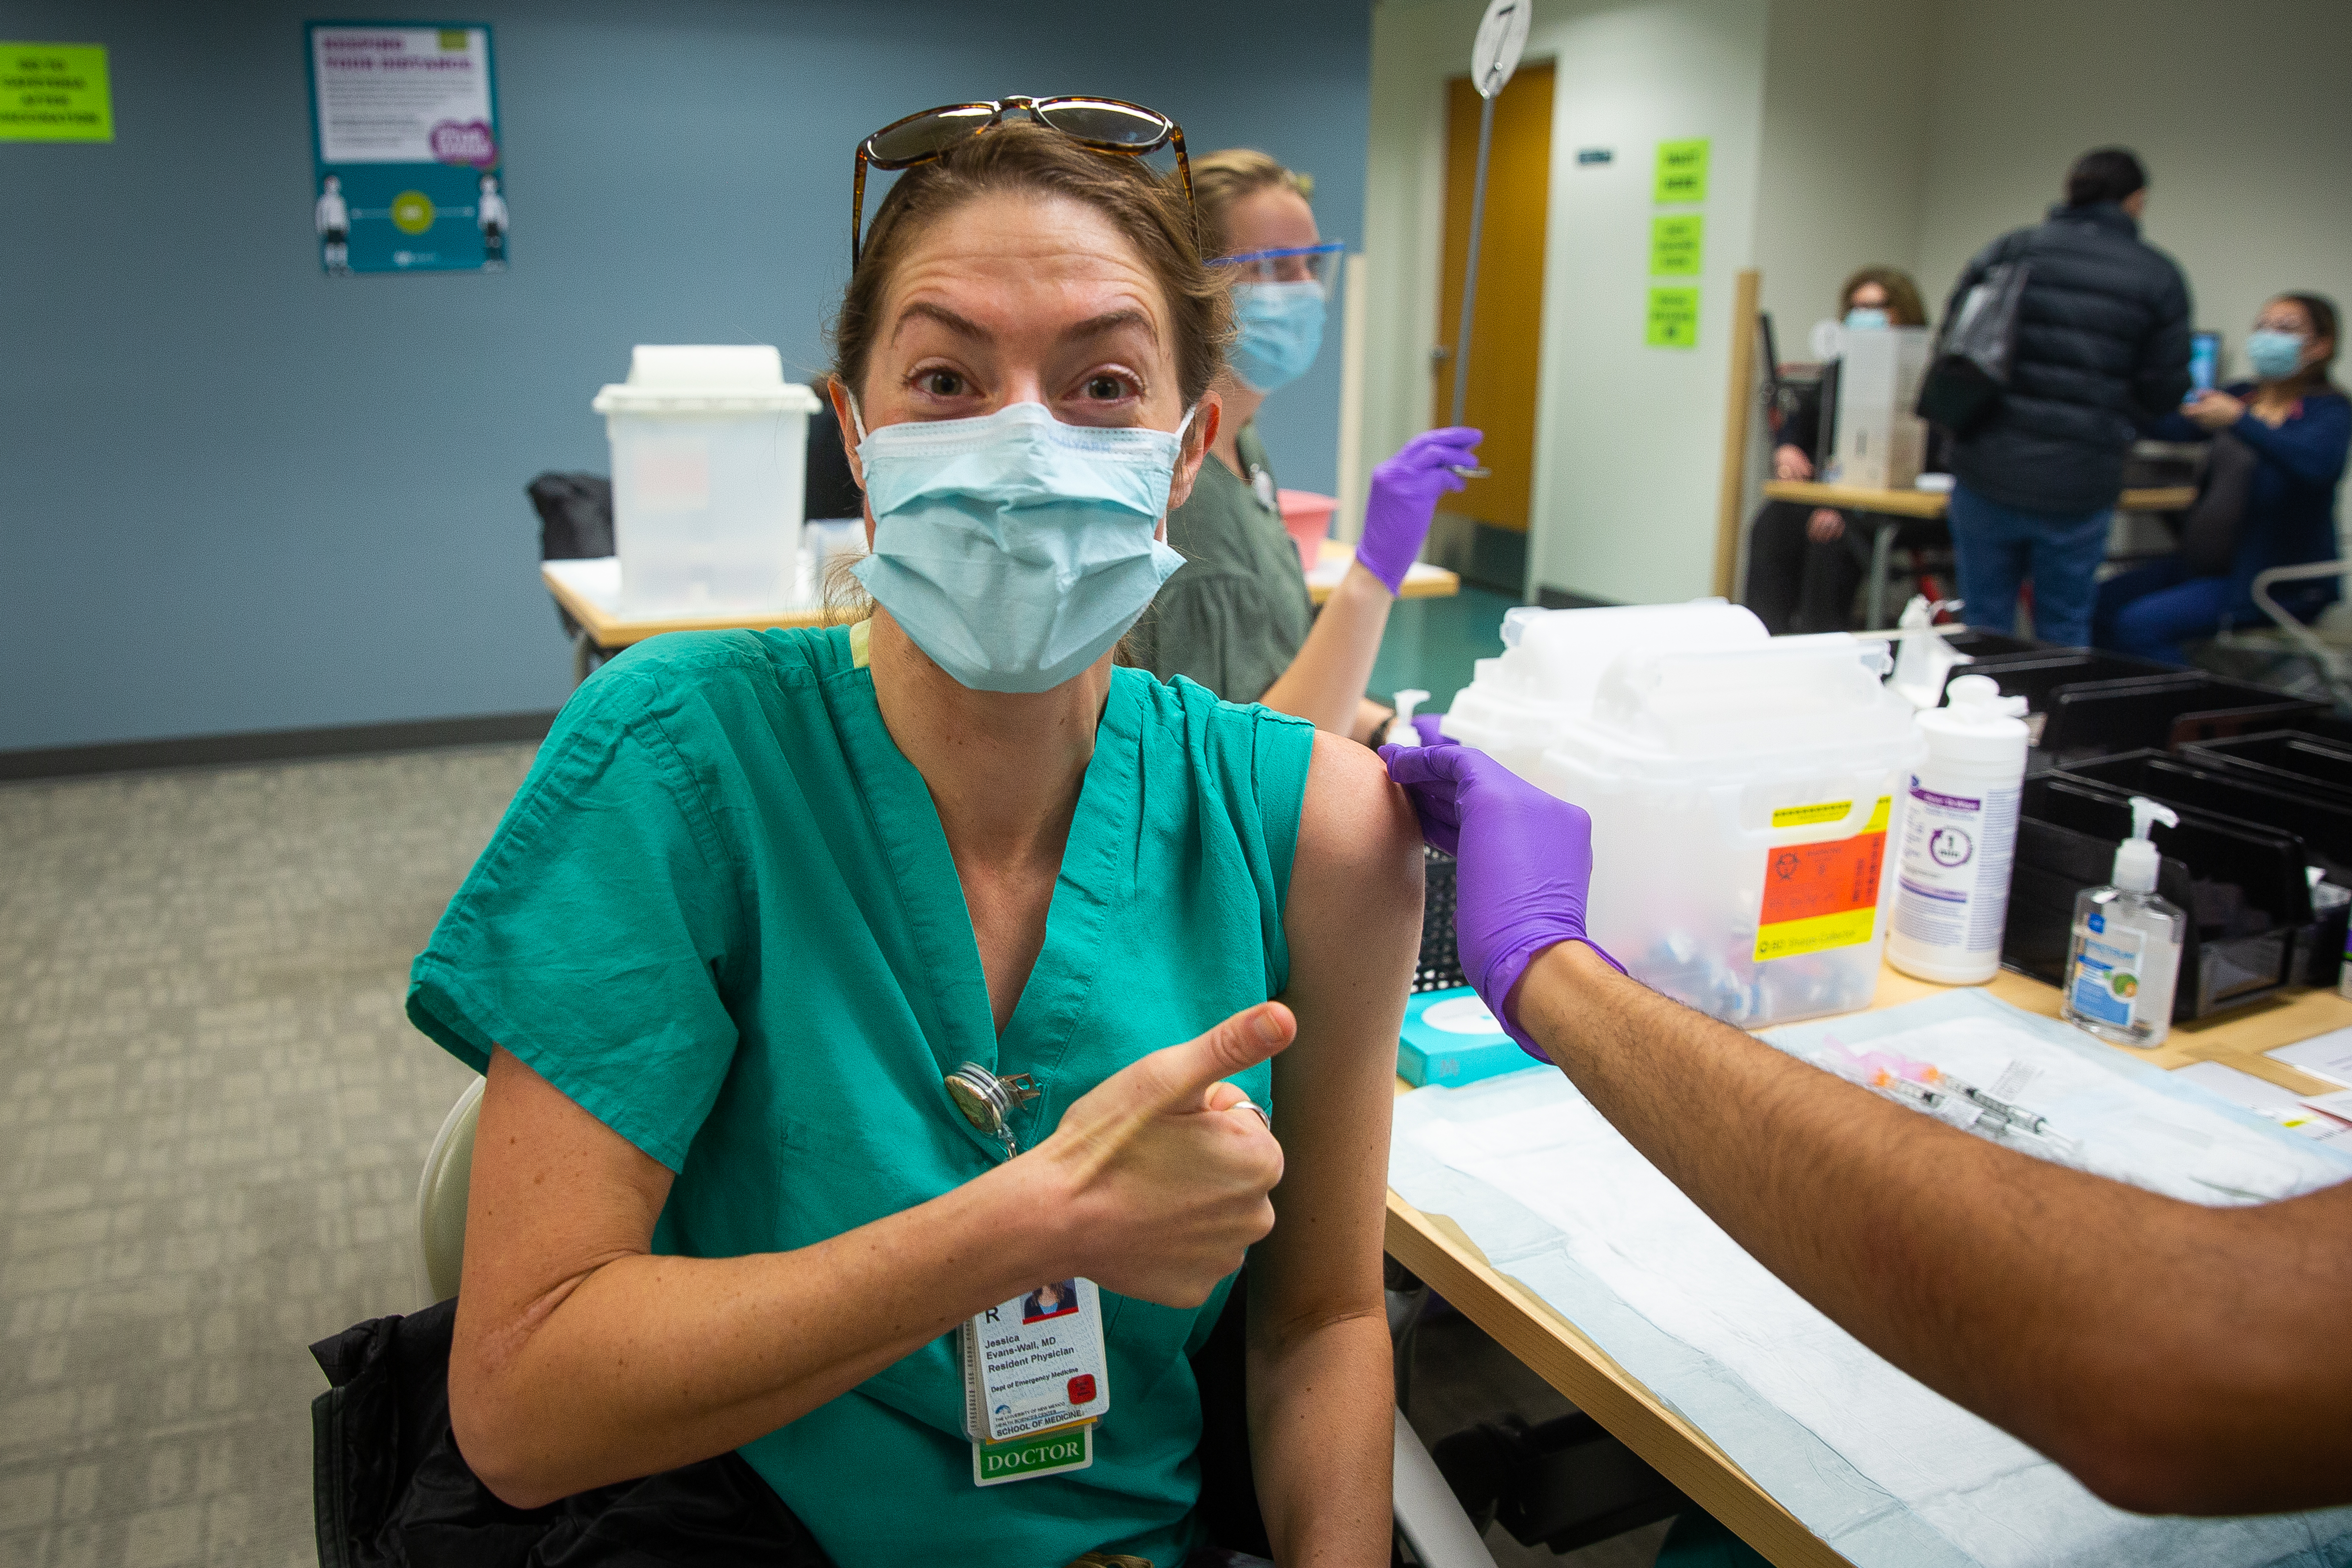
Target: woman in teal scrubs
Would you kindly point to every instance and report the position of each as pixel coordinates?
(763, 893)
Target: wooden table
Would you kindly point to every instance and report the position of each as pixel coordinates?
(1438, 1250)
(1927, 503)
(590, 592)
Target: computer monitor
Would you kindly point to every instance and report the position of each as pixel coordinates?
(2204, 361)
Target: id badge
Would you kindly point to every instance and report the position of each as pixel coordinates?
(1035, 1379)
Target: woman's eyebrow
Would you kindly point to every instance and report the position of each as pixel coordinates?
(962, 326)
(1111, 321)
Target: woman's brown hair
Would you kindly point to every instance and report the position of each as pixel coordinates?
(1149, 212)
(1223, 178)
(1902, 306)
(2320, 311)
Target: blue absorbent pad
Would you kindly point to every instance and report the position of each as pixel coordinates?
(1450, 1038)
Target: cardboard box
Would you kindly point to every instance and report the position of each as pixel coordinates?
(1881, 444)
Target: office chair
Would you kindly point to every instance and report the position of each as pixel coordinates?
(1432, 1524)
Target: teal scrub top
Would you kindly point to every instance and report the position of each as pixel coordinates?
(721, 917)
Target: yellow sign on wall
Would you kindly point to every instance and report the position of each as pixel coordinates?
(55, 92)
(1673, 318)
(1674, 245)
(1682, 172)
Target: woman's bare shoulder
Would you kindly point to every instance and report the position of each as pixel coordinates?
(1359, 845)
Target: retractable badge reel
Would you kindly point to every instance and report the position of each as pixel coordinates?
(988, 1101)
(1035, 1377)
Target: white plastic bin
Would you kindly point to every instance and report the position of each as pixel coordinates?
(709, 458)
(1552, 662)
(1742, 800)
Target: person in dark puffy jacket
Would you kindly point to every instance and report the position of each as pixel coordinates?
(2102, 345)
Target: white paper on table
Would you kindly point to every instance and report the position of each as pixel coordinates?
(1884, 1469)
(2338, 1106)
(2327, 1056)
(2267, 1099)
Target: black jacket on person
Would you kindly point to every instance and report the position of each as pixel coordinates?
(2102, 345)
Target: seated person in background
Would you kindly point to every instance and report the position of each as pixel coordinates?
(763, 890)
(1239, 619)
(1802, 568)
(2296, 425)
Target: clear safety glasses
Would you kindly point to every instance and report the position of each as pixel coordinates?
(1293, 264)
(1108, 125)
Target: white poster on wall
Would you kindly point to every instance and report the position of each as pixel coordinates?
(401, 95)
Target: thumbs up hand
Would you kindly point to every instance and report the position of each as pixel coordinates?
(1162, 1172)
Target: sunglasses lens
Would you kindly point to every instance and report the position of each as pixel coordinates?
(1092, 120)
(928, 135)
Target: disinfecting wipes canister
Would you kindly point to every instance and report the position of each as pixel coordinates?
(1959, 837)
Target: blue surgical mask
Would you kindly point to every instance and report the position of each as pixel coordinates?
(1866, 317)
(2274, 356)
(1013, 548)
(1279, 333)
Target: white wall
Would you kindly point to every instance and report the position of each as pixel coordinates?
(1630, 75)
(2242, 113)
(1846, 89)
(1907, 132)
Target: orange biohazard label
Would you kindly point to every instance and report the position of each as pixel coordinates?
(1823, 895)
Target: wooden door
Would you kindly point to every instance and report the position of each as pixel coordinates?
(1506, 332)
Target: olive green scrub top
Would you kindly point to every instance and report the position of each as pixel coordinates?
(1234, 614)
(721, 917)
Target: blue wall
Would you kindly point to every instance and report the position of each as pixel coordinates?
(238, 495)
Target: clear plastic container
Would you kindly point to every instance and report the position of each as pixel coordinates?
(1743, 800)
(709, 458)
(1551, 665)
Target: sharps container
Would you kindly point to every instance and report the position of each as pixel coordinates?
(1743, 802)
(709, 455)
(1552, 660)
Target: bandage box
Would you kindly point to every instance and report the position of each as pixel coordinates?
(710, 465)
(1449, 1038)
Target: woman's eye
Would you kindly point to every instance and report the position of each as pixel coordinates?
(1106, 388)
(942, 383)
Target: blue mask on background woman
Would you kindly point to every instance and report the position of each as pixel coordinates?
(1866, 317)
(2274, 356)
(1278, 331)
(1013, 548)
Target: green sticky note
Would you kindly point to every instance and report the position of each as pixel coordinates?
(1673, 318)
(1674, 245)
(55, 92)
(1682, 171)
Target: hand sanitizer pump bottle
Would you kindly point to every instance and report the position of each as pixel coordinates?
(2127, 953)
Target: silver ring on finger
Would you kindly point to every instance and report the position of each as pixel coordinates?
(1252, 1106)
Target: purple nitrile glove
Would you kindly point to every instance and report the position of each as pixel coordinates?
(1523, 865)
(1404, 497)
(1425, 726)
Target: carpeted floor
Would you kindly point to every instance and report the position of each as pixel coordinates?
(212, 1116)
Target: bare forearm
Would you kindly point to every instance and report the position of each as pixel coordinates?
(1326, 680)
(1321, 1438)
(647, 1363)
(2173, 1357)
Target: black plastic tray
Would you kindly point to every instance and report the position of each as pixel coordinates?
(2053, 865)
(2284, 759)
(2187, 780)
(2099, 718)
(2247, 891)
